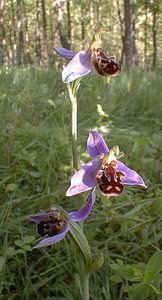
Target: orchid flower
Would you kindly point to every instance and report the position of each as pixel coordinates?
(82, 63)
(104, 170)
(55, 224)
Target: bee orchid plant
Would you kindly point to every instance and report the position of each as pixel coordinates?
(104, 170)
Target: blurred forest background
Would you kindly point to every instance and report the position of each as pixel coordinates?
(30, 29)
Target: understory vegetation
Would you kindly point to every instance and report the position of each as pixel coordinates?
(35, 170)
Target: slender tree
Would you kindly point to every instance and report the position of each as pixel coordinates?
(20, 32)
(133, 33)
(68, 22)
(37, 30)
(154, 35)
(82, 25)
(63, 38)
(26, 39)
(3, 50)
(14, 38)
(128, 35)
(45, 43)
(121, 22)
(99, 11)
(145, 31)
(10, 42)
(52, 30)
(91, 14)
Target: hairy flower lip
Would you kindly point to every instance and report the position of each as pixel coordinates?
(104, 65)
(74, 216)
(85, 179)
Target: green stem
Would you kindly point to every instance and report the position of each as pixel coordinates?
(85, 258)
(73, 101)
(85, 285)
(75, 230)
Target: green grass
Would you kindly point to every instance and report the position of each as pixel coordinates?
(35, 169)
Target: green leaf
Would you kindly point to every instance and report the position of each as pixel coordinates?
(23, 244)
(101, 112)
(130, 272)
(20, 251)
(153, 266)
(120, 262)
(140, 291)
(114, 266)
(116, 278)
(19, 243)
(11, 187)
(28, 239)
(81, 240)
(10, 251)
(35, 174)
(126, 272)
(97, 264)
(27, 248)
(154, 289)
(51, 102)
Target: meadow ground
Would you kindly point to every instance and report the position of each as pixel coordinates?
(35, 169)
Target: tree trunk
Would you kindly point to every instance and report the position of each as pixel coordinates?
(3, 50)
(154, 35)
(128, 47)
(45, 45)
(133, 34)
(26, 44)
(38, 38)
(10, 43)
(91, 15)
(68, 22)
(14, 33)
(82, 26)
(145, 32)
(63, 39)
(99, 11)
(121, 21)
(51, 27)
(20, 32)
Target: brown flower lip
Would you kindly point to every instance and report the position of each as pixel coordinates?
(109, 180)
(104, 65)
(54, 225)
